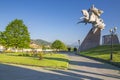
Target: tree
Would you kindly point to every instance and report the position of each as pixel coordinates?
(59, 45)
(16, 35)
(2, 38)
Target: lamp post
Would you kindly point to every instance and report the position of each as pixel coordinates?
(79, 46)
(112, 32)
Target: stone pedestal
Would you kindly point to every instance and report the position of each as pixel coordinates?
(91, 40)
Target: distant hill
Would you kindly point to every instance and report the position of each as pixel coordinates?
(75, 44)
(40, 42)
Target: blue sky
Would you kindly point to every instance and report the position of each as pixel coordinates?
(56, 19)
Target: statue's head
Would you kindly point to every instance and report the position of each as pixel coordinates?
(92, 16)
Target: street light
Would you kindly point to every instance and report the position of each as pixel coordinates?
(112, 33)
(79, 46)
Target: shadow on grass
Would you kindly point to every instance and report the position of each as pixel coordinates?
(8, 72)
(58, 59)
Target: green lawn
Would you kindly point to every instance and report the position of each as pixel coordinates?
(49, 60)
(103, 52)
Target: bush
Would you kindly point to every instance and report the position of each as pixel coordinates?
(69, 49)
(19, 54)
(40, 55)
(75, 49)
(24, 54)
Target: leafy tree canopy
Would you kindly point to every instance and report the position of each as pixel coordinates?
(16, 34)
(57, 44)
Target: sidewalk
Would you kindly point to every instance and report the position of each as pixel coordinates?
(80, 68)
(92, 68)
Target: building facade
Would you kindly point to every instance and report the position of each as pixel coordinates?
(106, 39)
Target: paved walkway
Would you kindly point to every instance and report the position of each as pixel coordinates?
(80, 69)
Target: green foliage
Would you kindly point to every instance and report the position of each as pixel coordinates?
(59, 45)
(40, 55)
(16, 35)
(2, 39)
(69, 48)
(24, 54)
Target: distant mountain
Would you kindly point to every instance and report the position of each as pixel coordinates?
(75, 44)
(40, 42)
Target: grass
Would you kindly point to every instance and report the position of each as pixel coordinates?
(103, 52)
(49, 60)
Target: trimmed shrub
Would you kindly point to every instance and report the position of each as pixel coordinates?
(40, 55)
